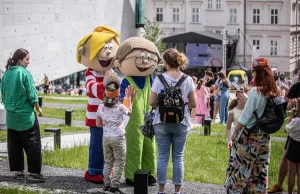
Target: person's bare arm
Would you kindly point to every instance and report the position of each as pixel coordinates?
(192, 99)
(228, 127)
(292, 103)
(237, 130)
(153, 99)
(99, 122)
(38, 108)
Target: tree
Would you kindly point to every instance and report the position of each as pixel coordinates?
(154, 33)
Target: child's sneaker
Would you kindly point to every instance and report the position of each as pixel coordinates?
(116, 191)
(276, 189)
(36, 177)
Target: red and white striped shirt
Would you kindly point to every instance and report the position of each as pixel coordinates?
(95, 91)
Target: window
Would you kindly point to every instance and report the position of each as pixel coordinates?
(218, 4)
(209, 4)
(195, 15)
(175, 14)
(256, 43)
(159, 14)
(273, 47)
(274, 16)
(218, 31)
(256, 16)
(233, 15)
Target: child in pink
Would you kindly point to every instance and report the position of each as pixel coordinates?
(202, 95)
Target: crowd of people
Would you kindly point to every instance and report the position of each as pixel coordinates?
(249, 159)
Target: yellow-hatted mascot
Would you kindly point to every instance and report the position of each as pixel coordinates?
(96, 51)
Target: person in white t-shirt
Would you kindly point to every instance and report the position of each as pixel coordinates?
(172, 134)
(112, 116)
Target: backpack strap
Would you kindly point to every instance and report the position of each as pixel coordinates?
(163, 81)
(182, 79)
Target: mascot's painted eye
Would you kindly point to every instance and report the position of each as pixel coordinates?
(110, 45)
(143, 55)
(148, 56)
(106, 46)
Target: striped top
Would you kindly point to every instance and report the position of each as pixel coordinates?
(95, 91)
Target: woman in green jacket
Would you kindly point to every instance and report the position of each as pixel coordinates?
(19, 97)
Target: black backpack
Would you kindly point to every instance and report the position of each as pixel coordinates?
(273, 117)
(170, 102)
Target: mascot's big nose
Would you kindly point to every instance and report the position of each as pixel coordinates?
(145, 61)
(108, 53)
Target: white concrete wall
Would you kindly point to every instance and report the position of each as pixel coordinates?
(51, 29)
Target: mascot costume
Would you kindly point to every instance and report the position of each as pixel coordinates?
(96, 51)
(137, 58)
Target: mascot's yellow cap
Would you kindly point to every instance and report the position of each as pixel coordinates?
(99, 38)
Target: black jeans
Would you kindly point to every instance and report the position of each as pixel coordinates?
(30, 141)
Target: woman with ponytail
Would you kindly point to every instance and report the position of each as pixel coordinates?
(172, 135)
(19, 97)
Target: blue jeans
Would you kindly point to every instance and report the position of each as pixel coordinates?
(96, 157)
(223, 110)
(168, 135)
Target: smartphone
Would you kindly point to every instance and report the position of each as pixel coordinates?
(236, 86)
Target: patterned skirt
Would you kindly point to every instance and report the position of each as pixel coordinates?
(248, 164)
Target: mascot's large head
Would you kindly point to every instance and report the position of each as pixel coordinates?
(97, 50)
(137, 57)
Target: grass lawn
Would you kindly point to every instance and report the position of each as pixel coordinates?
(206, 159)
(63, 128)
(77, 114)
(60, 101)
(222, 129)
(17, 191)
(61, 95)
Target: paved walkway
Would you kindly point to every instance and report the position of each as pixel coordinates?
(63, 180)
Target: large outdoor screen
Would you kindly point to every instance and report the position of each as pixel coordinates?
(205, 55)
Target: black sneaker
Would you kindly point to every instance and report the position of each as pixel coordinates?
(36, 177)
(20, 175)
(116, 191)
(151, 181)
(129, 182)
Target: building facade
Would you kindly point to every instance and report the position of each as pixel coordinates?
(51, 29)
(262, 23)
(295, 36)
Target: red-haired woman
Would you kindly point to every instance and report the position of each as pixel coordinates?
(249, 159)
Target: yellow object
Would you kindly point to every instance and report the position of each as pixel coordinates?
(238, 76)
(125, 101)
(99, 38)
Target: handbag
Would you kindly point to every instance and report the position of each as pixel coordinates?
(148, 129)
